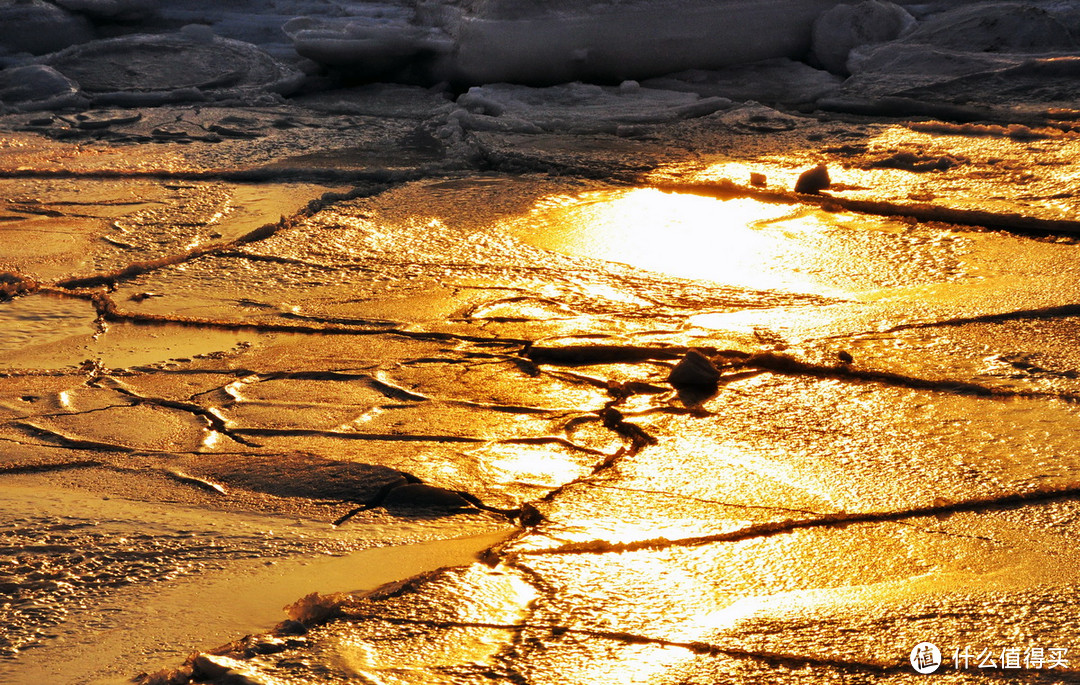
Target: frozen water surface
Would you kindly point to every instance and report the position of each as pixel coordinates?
(564, 359)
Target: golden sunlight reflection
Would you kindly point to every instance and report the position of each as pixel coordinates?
(741, 242)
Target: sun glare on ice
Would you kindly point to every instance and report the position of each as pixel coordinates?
(741, 242)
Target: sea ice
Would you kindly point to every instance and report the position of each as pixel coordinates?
(774, 81)
(109, 9)
(557, 42)
(371, 47)
(38, 27)
(150, 70)
(998, 27)
(962, 62)
(37, 87)
(576, 107)
(839, 30)
(622, 40)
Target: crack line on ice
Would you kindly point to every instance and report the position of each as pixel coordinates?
(1012, 223)
(839, 520)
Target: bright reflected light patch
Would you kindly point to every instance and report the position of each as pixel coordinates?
(741, 242)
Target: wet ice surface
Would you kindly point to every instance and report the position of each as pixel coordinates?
(446, 323)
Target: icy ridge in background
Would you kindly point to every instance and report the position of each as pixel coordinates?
(897, 59)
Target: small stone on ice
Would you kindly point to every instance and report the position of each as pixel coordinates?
(813, 181)
(694, 370)
(758, 180)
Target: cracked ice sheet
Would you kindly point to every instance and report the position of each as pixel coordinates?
(473, 269)
(836, 602)
(81, 227)
(374, 128)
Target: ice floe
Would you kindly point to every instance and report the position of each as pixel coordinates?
(768, 51)
(150, 70)
(109, 9)
(559, 42)
(37, 87)
(549, 43)
(965, 61)
(839, 30)
(38, 27)
(774, 81)
(576, 107)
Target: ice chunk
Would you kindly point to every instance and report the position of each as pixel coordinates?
(38, 87)
(839, 30)
(618, 40)
(558, 41)
(372, 47)
(971, 62)
(775, 81)
(38, 27)
(144, 69)
(996, 27)
(576, 107)
(111, 9)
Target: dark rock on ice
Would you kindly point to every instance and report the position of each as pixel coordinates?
(694, 370)
(813, 181)
(38, 27)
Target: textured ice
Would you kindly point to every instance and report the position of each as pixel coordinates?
(774, 81)
(577, 107)
(112, 9)
(145, 69)
(1000, 27)
(372, 46)
(623, 40)
(38, 27)
(37, 87)
(965, 61)
(549, 43)
(839, 30)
